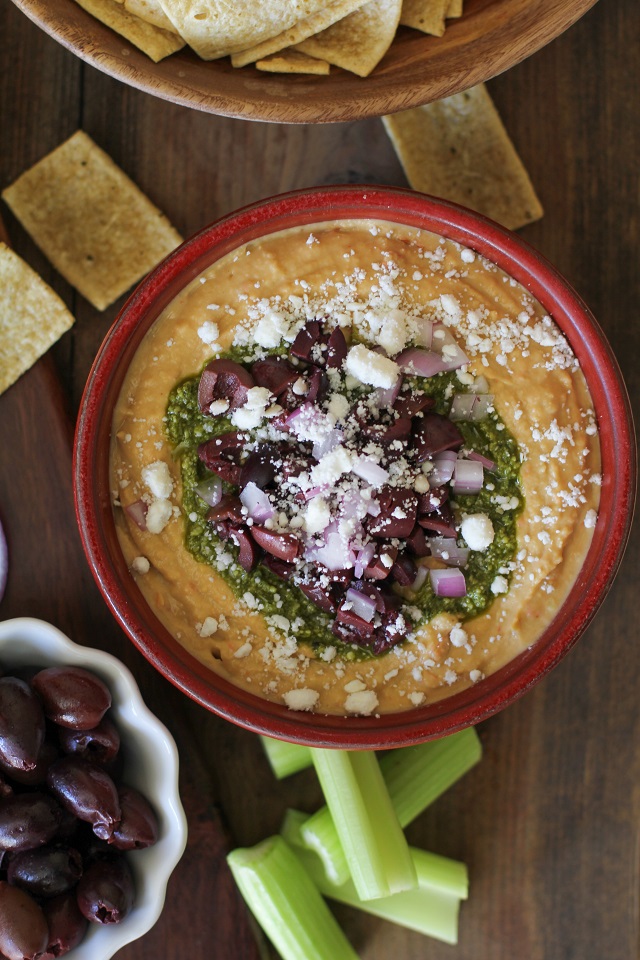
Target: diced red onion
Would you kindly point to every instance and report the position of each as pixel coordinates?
(258, 505)
(447, 550)
(448, 583)
(373, 508)
(367, 469)
(423, 363)
(386, 397)
(332, 440)
(364, 556)
(454, 356)
(138, 513)
(421, 576)
(315, 491)
(424, 337)
(4, 562)
(471, 406)
(334, 554)
(362, 605)
(468, 476)
(210, 491)
(442, 469)
(353, 505)
(486, 463)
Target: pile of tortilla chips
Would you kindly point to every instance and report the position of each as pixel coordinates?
(280, 36)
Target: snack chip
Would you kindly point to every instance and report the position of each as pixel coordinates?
(152, 40)
(215, 28)
(458, 149)
(292, 61)
(151, 11)
(358, 42)
(92, 222)
(299, 31)
(32, 317)
(425, 15)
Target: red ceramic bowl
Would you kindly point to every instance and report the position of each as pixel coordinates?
(520, 261)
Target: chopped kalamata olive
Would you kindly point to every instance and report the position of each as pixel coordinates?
(320, 595)
(72, 697)
(24, 933)
(87, 791)
(359, 626)
(105, 892)
(441, 521)
(398, 510)
(285, 546)
(222, 458)
(380, 569)
(100, 745)
(432, 500)
(281, 569)
(224, 380)
(138, 827)
(248, 550)
(47, 871)
(411, 404)
(404, 570)
(66, 924)
(418, 543)
(398, 429)
(305, 341)
(318, 387)
(259, 467)
(28, 820)
(336, 349)
(22, 724)
(274, 373)
(433, 434)
(229, 508)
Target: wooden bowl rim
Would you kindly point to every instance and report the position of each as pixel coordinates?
(418, 69)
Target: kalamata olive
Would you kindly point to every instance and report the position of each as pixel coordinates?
(105, 892)
(72, 697)
(5, 787)
(24, 933)
(100, 745)
(28, 820)
(66, 924)
(138, 826)
(37, 775)
(47, 871)
(87, 791)
(21, 724)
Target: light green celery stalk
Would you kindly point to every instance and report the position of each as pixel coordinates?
(432, 909)
(285, 758)
(374, 844)
(415, 777)
(287, 904)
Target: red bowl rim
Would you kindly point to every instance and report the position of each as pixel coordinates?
(519, 260)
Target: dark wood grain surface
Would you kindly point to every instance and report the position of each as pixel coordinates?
(549, 823)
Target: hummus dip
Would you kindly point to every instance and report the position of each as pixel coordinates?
(524, 412)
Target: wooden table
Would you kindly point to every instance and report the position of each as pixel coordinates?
(549, 823)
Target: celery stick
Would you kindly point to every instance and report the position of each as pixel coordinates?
(416, 776)
(432, 909)
(285, 758)
(371, 837)
(287, 904)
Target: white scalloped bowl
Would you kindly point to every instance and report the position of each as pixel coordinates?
(151, 766)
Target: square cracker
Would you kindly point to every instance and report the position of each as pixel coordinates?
(92, 222)
(458, 149)
(359, 41)
(291, 61)
(32, 317)
(154, 41)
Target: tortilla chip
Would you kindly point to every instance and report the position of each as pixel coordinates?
(151, 12)
(153, 41)
(298, 32)
(215, 28)
(425, 15)
(458, 149)
(32, 317)
(454, 9)
(92, 222)
(291, 61)
(359, 42)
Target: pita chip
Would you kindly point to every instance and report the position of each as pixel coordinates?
(152, 40)
(358, 42)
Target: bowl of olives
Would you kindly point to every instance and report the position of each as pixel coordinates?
(91, 823)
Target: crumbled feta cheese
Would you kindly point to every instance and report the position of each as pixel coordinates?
(499, 585)
(458, 636)
(243, 651)
(355, 686)
(218, 407)
(302, 699)
(477, 531)
(158, 479)
(158, 515)
(141, 565)
(208, 627)
(363, 702)
(370, 367)
(590, 519)
(209, 332)
(317, 515)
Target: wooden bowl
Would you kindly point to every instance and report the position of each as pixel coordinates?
(490, 37)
